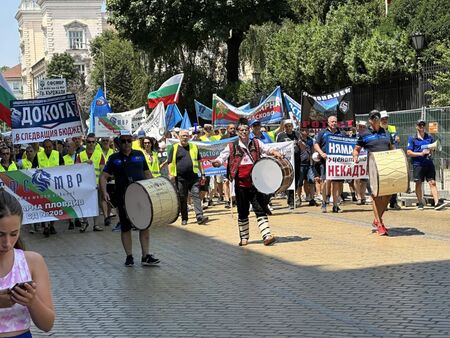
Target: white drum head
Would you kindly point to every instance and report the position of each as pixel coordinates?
(267, 176)
(139, 206)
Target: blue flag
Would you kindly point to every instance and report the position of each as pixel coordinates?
(203, 111)
(99, 107)
(186, 123)
(293, 106)
(245, 107)
(173, 116)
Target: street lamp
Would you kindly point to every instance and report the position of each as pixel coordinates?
(418, 41)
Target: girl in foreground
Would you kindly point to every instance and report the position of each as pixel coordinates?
(24, 280)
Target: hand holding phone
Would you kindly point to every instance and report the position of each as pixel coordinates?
(21, 285)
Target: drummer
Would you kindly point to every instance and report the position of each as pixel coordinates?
(241, 157)
(127, 166)
(375, 139)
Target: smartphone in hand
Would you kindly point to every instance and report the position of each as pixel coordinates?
(21, 285)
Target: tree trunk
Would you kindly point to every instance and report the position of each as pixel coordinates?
(233, 44)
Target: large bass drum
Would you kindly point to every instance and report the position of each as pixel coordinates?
(152, 202)
(388, 172)
(272, 175)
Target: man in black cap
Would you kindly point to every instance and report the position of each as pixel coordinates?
(423, 167)
(375, 139)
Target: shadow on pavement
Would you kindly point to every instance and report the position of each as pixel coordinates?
(206, 287)
(397, 232)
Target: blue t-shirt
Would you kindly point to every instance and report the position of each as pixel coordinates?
(415, 144)
(322, 138)
(265, 138)
(374, 141)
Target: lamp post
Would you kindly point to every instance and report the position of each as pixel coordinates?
(418, 41)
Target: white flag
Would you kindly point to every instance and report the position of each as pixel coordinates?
(155, 124)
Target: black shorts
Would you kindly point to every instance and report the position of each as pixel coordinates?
(420, 174)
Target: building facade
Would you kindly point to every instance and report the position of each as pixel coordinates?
(47, 27)
(13, 77)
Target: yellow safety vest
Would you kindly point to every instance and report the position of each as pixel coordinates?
(46, 162)
(96, 157)
(136, 145)
(68, 159)
(26, 164)
(12, 167)
(108, 154)
(193, 151)
(154, 165)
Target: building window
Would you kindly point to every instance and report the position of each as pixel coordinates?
(76, 40)
(81, 68)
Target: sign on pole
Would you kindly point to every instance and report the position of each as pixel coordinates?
(51, 87)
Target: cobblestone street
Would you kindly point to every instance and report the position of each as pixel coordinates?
(327, 276)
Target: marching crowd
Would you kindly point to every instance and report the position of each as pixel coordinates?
(182, 162)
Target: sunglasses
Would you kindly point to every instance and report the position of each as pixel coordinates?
(421, 125)
(147, 142)
(123, 141)
(90, 142)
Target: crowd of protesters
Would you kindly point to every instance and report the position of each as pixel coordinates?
(183, 164)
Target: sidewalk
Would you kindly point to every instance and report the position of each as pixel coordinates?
(328, 275)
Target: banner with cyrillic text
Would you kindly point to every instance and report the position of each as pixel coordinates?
(209, 151)
(111, 124)
(55, 193)
(54, 118)
(317, 108)
(339, 162)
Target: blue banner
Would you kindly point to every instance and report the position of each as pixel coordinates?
(54, 117)
(99, 108)
(203, 111)
(293, 107)
(173, 116)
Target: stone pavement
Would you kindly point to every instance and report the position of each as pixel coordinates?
(327, 276)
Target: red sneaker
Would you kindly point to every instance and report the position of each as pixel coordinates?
(381, 229)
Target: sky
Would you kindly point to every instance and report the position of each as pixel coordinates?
(9, 34)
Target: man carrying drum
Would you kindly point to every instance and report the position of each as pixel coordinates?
(241, 156)
(375, 139)
(127, 166)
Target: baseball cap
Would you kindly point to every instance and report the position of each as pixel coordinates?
(374, 115)
(256, 123)
(141, 133)
(420, 121)
(288, 121)
(384, 114)
(362, 123)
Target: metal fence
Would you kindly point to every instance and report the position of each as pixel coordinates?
(405, 122)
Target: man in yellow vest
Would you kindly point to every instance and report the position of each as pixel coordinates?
(6, 164)
(92, 155)
(45, 159)
(184, 164)
(28, 157)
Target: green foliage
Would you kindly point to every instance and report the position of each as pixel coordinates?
(161, 27)
(3, 68)
(441, 93)
(62, 65)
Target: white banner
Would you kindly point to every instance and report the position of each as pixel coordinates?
(52, 87)
(55, 193)
(111, 124)
(155, 124)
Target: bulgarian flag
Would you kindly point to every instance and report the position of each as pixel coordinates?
(6, 95)
(167, 93)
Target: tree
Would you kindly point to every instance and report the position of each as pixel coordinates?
(62, 65)
(3, 68)
(441, 93)
(161, 27)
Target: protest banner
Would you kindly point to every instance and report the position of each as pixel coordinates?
(54, 118)
(270, 110)
(208, 152)
(55, 193)
(99, 108)
(155, 124)
(317, 109)
(293, 107)
(111, 124)
(339, 162)
(52, 87)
